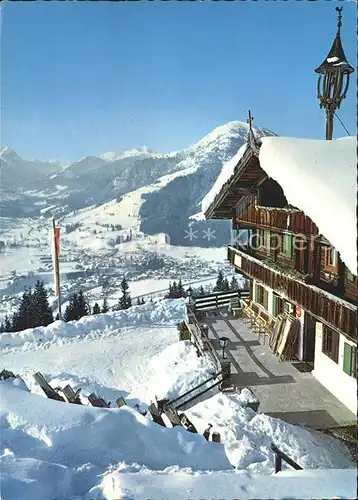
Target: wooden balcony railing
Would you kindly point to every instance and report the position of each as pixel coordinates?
(293, 221)
(336, 313)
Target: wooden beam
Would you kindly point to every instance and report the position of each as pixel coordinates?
(48, 390)
(71, 395)
(156, 415)
(97, 401)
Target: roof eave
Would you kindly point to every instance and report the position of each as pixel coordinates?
(253, 149)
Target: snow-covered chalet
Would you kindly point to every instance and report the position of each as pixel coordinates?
(293, 208)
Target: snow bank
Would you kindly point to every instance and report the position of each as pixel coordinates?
(319, 177)
(160, 312)
(176, 370)
(247, 437)
(177, 485)
(225, 174)
(57, 450)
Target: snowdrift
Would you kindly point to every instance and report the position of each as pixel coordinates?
(67, 446)
(158, 312)
(129, 483)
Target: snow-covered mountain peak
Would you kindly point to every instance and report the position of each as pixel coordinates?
(221, 136)
(8, 154)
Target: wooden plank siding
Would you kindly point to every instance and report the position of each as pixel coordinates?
(335, 313)
(350, 286)
(295, 222)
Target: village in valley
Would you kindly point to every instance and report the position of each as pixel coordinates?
(135, 367)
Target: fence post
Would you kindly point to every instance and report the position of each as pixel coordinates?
(215, 437)
(278, 463)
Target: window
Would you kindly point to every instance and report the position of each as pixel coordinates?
(350, 360)
(261, 296)
(287, 307)
(287, 245)
(277, 305)
(330, 257)
(350, 276)
(330, 343)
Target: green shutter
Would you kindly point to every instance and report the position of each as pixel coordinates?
(347, 358)
(274, 305)
(267, 239)
(265, 304)
(287, 242)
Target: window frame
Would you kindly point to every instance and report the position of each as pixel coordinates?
(277, 305)
(330, 343)
(261, 296)
(350, 276)
(330, 258)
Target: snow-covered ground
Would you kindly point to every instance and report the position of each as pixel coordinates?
(56, 450)
(141, 484)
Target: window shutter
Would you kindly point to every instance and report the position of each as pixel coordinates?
(274, 305)
(257, 293)
(347, 359)
(335, 346)
(287, 240)
(265, 299)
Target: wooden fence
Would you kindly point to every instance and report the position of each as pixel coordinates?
(200, 338)
(219, 299)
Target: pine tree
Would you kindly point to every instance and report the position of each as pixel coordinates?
(174, 293)
(124, 301)
(77, 307)
(96, 309)
(181, 291)
(41, 308)
(219, 287)
(234, 285)
(105, 307)
(70, 312)
(226, 286)
(83, 305)
(24, 317)
(170, 293)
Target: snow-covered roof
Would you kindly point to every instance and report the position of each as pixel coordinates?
(319, 177)
(225, 174)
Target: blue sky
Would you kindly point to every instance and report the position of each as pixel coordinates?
(82, 78)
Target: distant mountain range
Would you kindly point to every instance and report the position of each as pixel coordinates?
(29, 186)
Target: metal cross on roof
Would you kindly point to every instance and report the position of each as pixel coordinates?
(339, 24)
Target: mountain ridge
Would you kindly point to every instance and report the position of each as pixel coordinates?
(173, 183)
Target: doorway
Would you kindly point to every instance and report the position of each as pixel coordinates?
(309, 338)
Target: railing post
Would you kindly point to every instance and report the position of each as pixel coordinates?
(278, 463)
